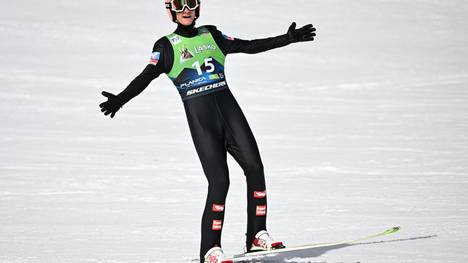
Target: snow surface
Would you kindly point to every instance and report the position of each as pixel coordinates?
(363, 129)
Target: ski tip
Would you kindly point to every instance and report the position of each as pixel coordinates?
(393, 230)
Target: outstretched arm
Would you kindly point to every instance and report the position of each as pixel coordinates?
(235, 45)
(151, 71)
(115, 102)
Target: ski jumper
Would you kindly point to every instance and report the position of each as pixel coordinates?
(193, 58)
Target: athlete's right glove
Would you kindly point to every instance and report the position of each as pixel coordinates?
(305, 33)
(112, 105)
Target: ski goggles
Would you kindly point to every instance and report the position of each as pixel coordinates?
(179, 5)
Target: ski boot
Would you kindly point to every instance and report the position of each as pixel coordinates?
(263, 242)
(216, 255)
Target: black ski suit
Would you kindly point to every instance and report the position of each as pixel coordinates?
(218, 127)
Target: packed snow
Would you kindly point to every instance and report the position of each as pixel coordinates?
(363, 129)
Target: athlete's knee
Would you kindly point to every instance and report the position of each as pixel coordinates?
(253, 167)
(219, 185)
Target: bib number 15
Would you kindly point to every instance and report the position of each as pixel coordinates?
(209, 66)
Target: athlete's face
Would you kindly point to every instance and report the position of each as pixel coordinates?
(186, 17)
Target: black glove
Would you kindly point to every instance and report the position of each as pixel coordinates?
(112, 105)
(305, 33)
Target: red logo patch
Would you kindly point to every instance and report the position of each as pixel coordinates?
(261, 210)
(217, 208)
(217, 225)
(259, 194)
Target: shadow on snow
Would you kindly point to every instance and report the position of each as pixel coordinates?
(306, 255)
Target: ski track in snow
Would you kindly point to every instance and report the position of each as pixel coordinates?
(364, 129)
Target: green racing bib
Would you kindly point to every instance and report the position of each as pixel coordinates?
(198, 66)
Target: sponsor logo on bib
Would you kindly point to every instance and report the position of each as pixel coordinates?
(175, 40)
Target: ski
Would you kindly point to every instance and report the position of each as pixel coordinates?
(245, 256)
(316, 245)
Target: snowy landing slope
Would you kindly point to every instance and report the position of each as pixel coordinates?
(365, 128)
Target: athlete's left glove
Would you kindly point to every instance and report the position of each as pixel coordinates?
(305, 33)
(112, 105)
